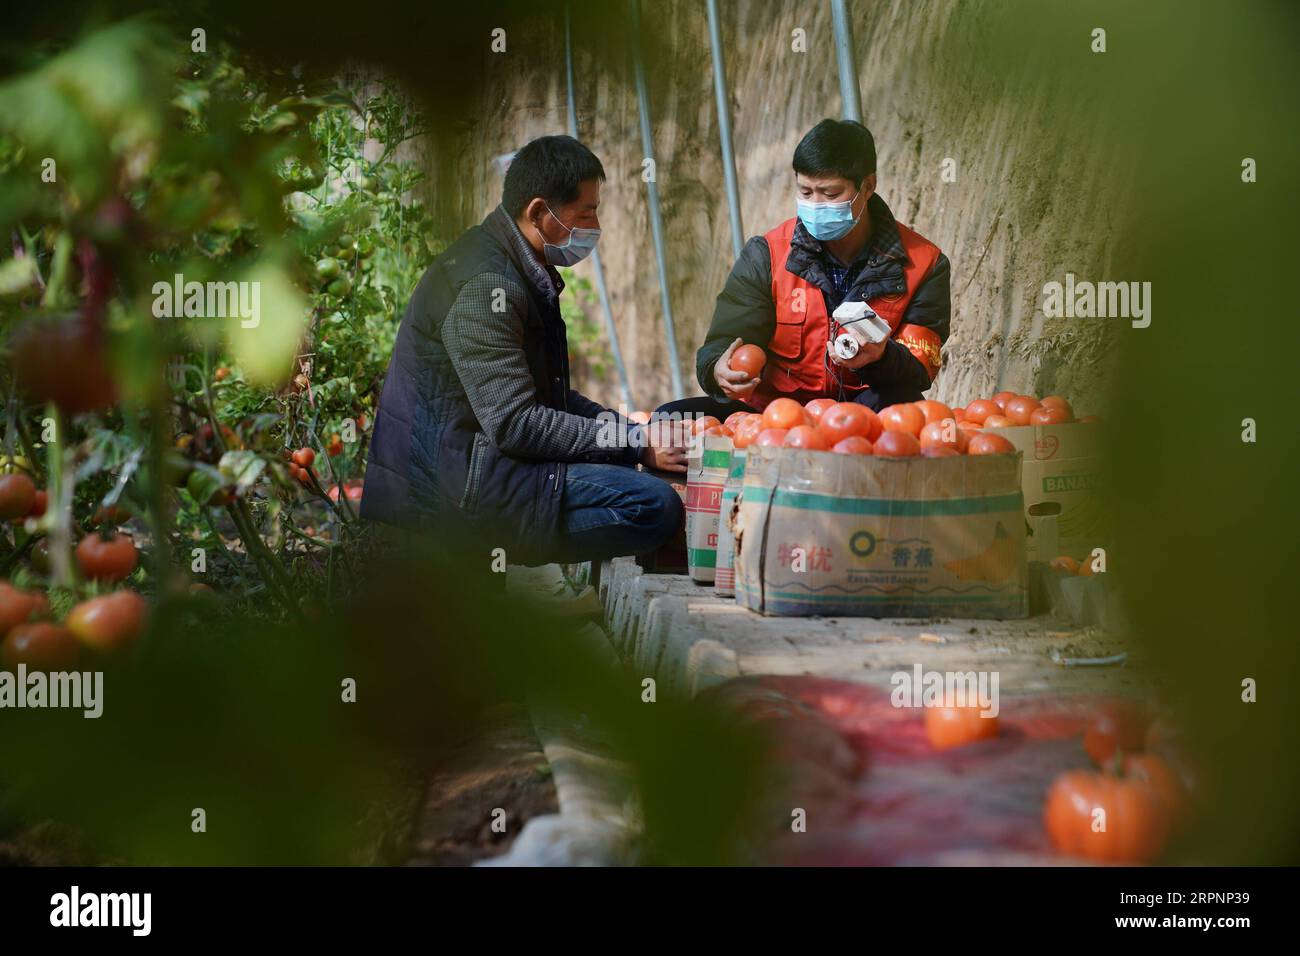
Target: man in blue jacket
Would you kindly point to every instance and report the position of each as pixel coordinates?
(478, 434)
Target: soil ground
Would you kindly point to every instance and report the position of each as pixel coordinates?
(501, 767)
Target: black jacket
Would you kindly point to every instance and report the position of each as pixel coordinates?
(745, 309)
(476, 421)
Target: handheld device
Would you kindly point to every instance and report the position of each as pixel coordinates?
(858, 325)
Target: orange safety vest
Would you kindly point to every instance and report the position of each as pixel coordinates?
(796, 366)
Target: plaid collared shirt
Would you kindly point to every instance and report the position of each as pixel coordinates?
(545, 279)
(885, 244)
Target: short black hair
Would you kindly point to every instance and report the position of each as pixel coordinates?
(551, 167)
(842, 147)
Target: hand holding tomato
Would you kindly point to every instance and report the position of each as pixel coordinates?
(738, 383)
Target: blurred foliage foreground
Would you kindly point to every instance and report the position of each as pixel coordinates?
(213, 463)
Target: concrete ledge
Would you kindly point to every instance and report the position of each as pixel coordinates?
(687, 638)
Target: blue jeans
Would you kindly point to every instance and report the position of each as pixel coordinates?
(609, 511)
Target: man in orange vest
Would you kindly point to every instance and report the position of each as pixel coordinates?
(843, 246)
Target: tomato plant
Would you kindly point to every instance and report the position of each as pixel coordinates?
(171, 418)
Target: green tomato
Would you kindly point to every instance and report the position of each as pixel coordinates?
(329, 268)
(346, 253)
(365, 245)
(347, 239)
(340, 287)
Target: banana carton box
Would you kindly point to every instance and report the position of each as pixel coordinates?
(849, 535)
(724, 579)
(1061, 474)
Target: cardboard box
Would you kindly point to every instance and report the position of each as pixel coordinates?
(671, 558)
(1060, 476)
(707, 461)
(853, 535)
(724, 578)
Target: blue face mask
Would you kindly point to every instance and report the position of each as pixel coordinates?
(580, 245)
(828, 221)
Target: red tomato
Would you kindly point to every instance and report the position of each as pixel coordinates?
(1121, 726)
(40, 504)
(1162, 780)
(64, 361)
(335, 446)
(731, 420)
(771, 437)
(113, 514)
(956, 726)
(107, 559)
(903, 418)
(804, 436)
(1065, 563)
(817, 406)
(747, 430)
(1049, 415)
(997, 421)
(1056, 401)
(934, 411)
(17, 496)
(984, 443)
(1020, 408)
(351, 491)
(41, 646)
(970, 428)
(719, 431)
(981, 409)
(1001, 399)
(944, 432)
(640, 417)
(1136, 824)
(939, 451)
(959, 413)
(784, 413)
(704, 423)
(892, 444)
(846, 419)
(749, 359)
(18, 606)
(303, 457)
(108, 622)
(853, 445)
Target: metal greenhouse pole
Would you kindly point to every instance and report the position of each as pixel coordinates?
(652, 198)
(625, 388)
(724, 130)
(852, 103)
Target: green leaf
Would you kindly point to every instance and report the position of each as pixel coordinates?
(241, 468)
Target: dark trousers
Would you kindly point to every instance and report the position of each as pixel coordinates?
(615, 510)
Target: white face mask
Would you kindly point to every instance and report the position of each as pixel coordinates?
(580, 244)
